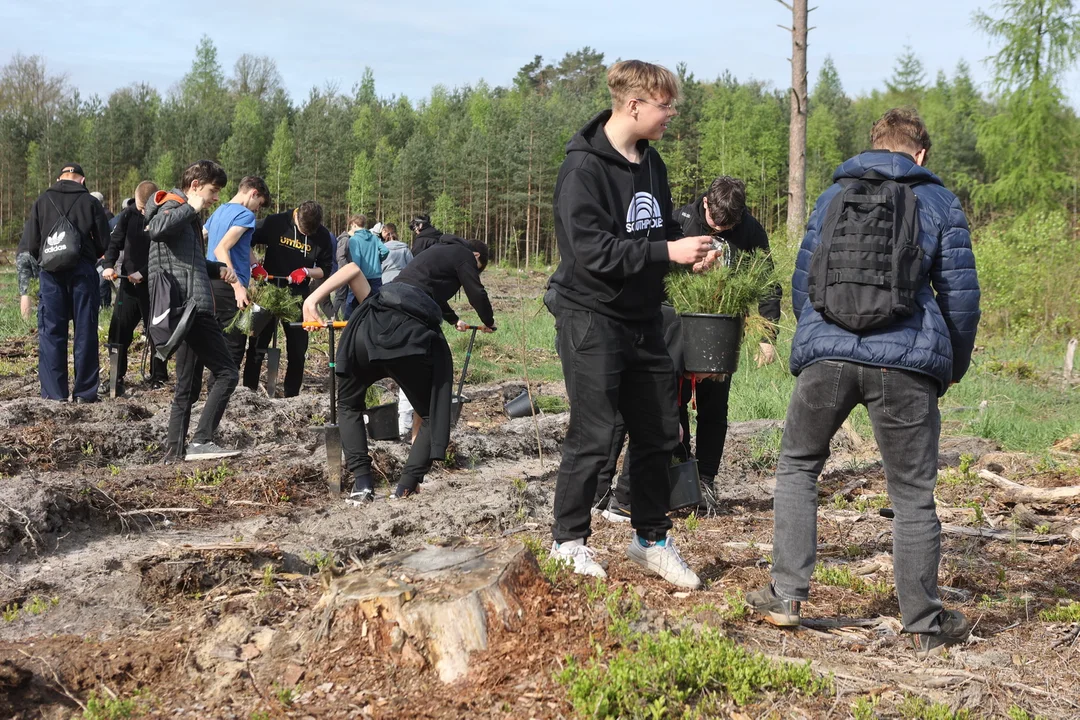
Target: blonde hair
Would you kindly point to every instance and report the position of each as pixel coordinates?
(636, 78)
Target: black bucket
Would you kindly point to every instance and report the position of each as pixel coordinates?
(254, 320)
(685, 485)
(521, 406)
(382, 422)
(711, 343)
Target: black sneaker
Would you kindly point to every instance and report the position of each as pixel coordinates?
(616, 511)
(360, 497)
(953, 629)
(774, 609)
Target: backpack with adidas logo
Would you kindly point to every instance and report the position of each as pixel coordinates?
(866, 270)
(62, 248)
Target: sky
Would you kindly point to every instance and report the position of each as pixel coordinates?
(412, 45)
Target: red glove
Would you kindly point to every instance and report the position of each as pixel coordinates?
(298, 275)
(258, 272)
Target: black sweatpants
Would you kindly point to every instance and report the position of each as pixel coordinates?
(203, 347)
(133, 307)
(614, 368)
(414, 376)
(296, 345)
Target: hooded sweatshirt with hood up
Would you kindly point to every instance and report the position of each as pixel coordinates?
(613, 220)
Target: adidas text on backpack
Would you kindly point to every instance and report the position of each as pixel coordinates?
(63, 245)
(865, 272)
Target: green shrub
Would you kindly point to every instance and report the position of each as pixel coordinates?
(688, 674)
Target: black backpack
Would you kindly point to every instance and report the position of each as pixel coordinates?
(866, 271)
(62, 248)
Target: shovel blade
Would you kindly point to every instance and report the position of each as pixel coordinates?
(273, 364)
(114, 370)
(333, 458)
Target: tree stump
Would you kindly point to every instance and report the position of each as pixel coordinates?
(435, 605)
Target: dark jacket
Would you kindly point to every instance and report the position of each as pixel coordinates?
(425, 239)
(747, 235)
(402, 321)
(177, 247)
(938, 338)
(613, 223)
(84, 212)
(129, 235)
(449, 266)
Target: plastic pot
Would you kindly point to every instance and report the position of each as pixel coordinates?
(521, 406)
(254, 320)
(685, 485)
(711, 343)
(382, 421)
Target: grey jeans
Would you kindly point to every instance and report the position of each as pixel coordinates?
(904, 414)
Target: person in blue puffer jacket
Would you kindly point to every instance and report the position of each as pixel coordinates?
(898, 372)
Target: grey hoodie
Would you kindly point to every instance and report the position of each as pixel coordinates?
(177, 246)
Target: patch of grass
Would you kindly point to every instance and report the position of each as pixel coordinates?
(320, 560)
(1068, 612)
(871, 502)
(285, 695)
(915, 708)
(865, 708)
(842, 577)
(1015, 712)
(551, 404)
(99, 708)
(556, 570)
(668, 674)
(765, 449)
(35, 606)
(735, 607)
(213, 477)
(692, 523)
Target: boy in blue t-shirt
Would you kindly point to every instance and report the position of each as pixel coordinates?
(229, 230)
(368, 251)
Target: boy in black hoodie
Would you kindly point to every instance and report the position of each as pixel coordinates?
(616, 239)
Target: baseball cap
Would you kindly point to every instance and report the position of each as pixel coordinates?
(98, 196)
(72, 168)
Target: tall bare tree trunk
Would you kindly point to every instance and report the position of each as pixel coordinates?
(528, 202)
(797, 142)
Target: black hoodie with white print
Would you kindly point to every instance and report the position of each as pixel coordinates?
(613, 220)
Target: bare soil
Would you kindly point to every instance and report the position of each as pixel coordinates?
(194, 588)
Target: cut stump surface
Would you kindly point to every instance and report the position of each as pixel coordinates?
(435, 605)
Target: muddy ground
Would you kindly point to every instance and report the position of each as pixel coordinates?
(192, 589)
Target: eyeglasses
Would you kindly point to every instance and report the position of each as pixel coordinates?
(666, 107)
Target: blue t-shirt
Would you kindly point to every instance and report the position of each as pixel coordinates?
(227, 216)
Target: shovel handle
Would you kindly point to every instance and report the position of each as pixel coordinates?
(317, 325)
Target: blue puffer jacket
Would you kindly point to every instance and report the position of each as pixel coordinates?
(939, 337)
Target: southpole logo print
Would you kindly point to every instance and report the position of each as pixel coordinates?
(643, 213)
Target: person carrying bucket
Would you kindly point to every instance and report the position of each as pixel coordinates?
(397, 333)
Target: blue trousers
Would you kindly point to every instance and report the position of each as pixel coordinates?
(66, 297)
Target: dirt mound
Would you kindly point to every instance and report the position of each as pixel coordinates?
(34, 511)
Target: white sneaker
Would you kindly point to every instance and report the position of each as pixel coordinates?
(663, 560)
(581, 555)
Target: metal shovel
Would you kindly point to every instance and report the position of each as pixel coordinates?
(457, 401)
(273, 362)
(332, 432)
